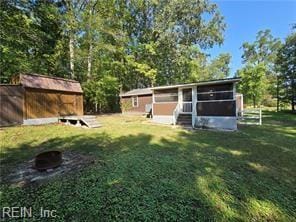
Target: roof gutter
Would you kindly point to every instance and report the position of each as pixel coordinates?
(212, 82)
(134, 94)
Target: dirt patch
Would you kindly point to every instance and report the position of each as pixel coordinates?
(25, 174)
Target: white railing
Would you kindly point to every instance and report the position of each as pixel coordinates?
(186, 107)
(250, 116)
(176, 114)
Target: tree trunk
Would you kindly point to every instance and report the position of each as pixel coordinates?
(254, 102)
(277, 94)
(90, 48)
(71, 51)
(89, 61)
(293, 95)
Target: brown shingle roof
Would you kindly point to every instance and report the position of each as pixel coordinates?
(48, 82)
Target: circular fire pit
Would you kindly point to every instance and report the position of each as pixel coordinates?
(48, 160)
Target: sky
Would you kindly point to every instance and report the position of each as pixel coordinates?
(244, 18)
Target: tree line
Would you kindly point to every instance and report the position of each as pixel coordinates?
(269, 72)
(117, 45)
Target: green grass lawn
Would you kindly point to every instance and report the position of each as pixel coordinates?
(149, 172)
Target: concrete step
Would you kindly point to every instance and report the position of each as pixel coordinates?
(182, 114)
(95, 125)
(184, 123)
(184, 118)
(89, 119)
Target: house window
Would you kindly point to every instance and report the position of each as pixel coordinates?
(167, 95)
(215, 93)
(216, 100)
(135, 101)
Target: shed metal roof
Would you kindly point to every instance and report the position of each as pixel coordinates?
(48, 82)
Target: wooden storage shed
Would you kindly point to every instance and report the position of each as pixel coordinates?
(37, 99)
(11, 104)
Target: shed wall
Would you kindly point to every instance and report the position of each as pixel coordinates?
(12, 102)
(47, 103)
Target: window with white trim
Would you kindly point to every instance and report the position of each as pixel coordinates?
(135, 101)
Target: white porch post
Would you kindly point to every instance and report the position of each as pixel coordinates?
(180, 97)
(194, 101)
(153, 101)
(235, 98)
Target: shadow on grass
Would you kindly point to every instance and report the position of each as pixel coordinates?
(199, 176)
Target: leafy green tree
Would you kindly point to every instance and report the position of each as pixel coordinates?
(161, 33)
(253, 82)
(102, 95)
(30, 32)
(139, 43)
(263, 50)
(219, 67)
(203, 69)
(286, 63)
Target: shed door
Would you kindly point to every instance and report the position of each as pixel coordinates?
(67, 104)
(11, 111)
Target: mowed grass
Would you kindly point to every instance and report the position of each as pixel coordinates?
(148, 172)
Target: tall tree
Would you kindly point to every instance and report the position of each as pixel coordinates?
(32, 49)
(263, 51)
(137, 43)
(219, 67)
(162, 32)
(72, 21)
(253, 82)
(203, 69)
(286, 61)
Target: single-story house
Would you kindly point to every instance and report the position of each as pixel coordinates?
(205, 104)
(136, 101)
(34, 99)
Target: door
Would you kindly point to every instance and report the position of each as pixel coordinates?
(67, 105)
(187, 100)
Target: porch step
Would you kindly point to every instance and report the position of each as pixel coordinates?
(184, 116)
(91, 121)
(184, 119)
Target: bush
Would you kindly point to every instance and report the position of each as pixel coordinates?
(102, 94)
(269, 101)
